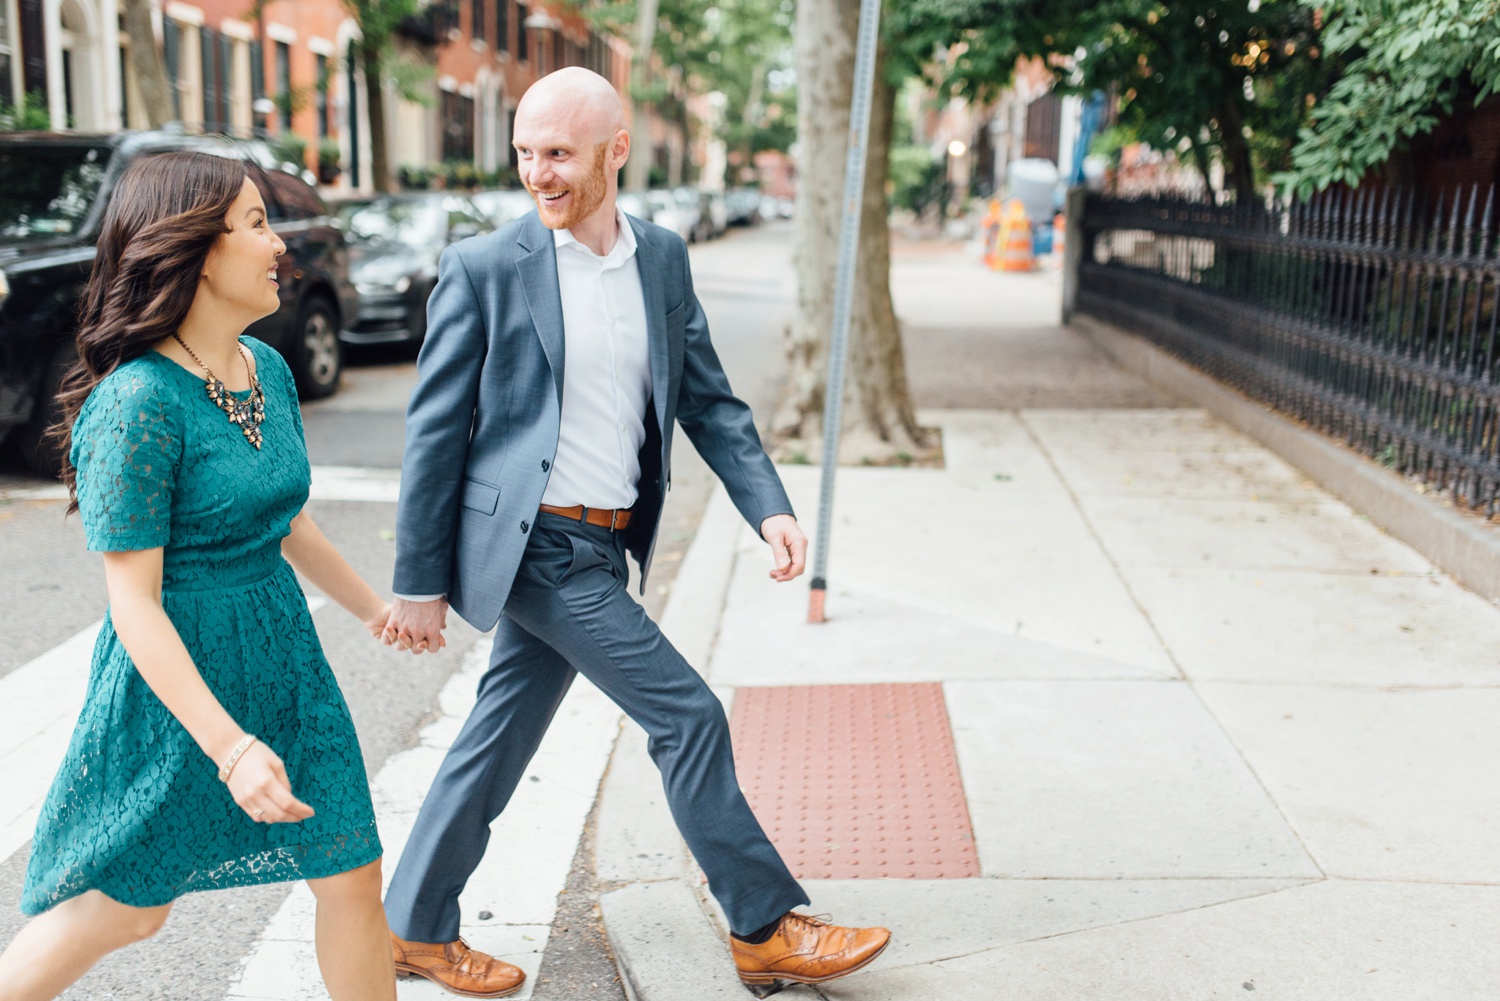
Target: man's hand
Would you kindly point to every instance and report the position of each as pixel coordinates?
(788, 546)
(417, 625)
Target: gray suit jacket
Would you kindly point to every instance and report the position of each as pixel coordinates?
(483, 421)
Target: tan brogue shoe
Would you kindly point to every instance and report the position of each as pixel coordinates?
(456, 968)
(807, 951)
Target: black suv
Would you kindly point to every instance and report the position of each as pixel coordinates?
(53, 190)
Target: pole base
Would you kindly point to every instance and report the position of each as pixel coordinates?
(815, 603)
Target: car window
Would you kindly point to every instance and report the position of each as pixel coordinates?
(298, 201)
(47, 190)
(411, 222)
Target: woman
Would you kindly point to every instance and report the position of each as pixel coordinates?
(214, 748)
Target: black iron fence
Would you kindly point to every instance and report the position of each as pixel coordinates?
(1370, 316)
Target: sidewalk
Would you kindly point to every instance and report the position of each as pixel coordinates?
(1214, 733)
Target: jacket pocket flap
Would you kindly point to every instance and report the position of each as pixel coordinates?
(481, 496)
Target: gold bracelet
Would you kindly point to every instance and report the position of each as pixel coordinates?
(234, 756)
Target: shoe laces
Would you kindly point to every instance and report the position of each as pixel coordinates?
(810, 921)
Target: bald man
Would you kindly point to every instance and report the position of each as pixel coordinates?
(560, 353)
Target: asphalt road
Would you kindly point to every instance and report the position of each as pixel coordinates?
(52, 588)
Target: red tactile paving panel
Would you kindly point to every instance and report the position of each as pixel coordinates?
(855, 781)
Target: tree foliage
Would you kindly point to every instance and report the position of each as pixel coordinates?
(739, 48)
(1226, 81)
(1408, 61)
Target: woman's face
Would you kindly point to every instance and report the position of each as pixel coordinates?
(241, 267)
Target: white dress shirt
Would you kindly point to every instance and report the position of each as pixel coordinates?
(606, 376)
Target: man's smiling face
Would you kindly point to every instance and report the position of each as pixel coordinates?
(568, 183)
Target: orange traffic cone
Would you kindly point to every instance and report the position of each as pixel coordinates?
(991, 226)
(1059, 233)
(1015, 239)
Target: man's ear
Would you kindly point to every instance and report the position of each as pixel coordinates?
(620, 149)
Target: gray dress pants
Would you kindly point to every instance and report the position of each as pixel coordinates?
(569, 612)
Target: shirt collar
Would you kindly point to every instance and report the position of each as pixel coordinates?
(624, 247)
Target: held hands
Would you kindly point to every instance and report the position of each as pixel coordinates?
(416, 625)
(259, 785)
(788, 546)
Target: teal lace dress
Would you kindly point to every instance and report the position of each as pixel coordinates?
(137, 810)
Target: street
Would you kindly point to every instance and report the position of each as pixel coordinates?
(51, 583)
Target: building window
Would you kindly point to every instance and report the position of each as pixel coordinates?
(7, 56)
(322, 95)
(479, 32)
(523, 39)
(458, 127)
(502, 25)
(559, 50)
(284, 84)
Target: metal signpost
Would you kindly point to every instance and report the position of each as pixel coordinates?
(838, 350)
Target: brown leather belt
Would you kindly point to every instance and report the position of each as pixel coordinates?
(614, 519)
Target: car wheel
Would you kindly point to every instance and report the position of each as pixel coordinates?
(314, 353)
(42, 452)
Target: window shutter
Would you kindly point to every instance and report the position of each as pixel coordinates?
(207, 45)
(171, 45)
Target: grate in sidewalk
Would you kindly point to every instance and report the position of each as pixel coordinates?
(855, 781)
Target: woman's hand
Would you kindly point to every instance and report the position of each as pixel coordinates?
(259, 785)
(375, 624)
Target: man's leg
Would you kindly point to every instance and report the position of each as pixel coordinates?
(576, 601)
(518, 696)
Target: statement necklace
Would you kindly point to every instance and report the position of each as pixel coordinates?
(247, 413)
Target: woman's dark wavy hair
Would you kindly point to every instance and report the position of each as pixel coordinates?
(166, 211)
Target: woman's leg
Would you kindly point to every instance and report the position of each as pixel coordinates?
(55, 948)
(354, 944)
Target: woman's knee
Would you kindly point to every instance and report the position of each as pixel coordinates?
(120, 924)
(360, 885)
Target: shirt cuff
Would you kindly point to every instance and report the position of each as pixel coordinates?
(421, 597)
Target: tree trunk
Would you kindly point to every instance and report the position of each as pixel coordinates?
(879, 424)
(638, 166)
(1237, 153)
(150, 68)
(380, 162)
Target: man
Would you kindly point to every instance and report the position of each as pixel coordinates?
(560, 352)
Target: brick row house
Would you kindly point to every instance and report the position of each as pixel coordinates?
(291, 69)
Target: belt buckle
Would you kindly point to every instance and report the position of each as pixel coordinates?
(614, 516)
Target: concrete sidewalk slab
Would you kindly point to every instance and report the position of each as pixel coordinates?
(1329, 941)
(1051, 766)
(1329, 628)
(1245, 534)
(1392, 785)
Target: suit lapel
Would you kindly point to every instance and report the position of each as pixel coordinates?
(648, 264)
(539, 282)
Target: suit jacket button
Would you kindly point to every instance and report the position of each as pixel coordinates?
(525, 526)
(546, 465)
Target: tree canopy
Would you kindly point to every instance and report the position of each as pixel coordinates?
(1406, 63)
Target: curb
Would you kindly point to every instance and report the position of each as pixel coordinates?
(664, 944)
(1458, 544)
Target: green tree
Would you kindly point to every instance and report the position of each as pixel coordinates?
(1408, 62)
(378, 21)
(739, 48)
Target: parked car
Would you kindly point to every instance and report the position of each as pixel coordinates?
(503, 204)
(743, 206)
(690, 205)
(667, 213)
(716, 209)
(53, 191)
(634, 203)
(394, 245)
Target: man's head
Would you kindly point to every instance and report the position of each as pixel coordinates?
(570, 142)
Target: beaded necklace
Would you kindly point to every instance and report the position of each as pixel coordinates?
(247, 413)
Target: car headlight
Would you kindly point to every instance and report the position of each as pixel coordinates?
(4, 286)
(403, 283)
